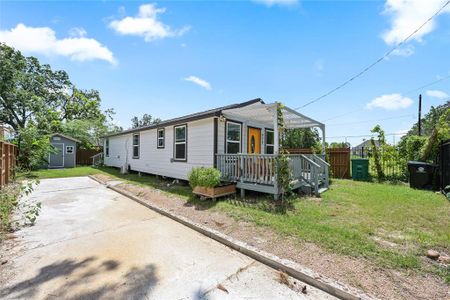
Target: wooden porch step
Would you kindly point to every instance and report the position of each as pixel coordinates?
(321, 190)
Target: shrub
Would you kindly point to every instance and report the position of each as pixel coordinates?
(205, 177)
(26, 210)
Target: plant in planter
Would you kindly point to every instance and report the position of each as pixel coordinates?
(206, 182)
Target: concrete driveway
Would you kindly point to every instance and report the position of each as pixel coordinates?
(90, 242)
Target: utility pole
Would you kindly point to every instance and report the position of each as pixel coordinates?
(419, 123)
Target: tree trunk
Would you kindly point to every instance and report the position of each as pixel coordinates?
(376, 157)
(430, 143)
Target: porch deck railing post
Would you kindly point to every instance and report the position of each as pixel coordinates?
(241, 173)
(276, 148)
(260, 171)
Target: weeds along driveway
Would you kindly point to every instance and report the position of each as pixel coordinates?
(90, 242)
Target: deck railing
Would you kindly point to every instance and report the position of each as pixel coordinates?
(97, 159)
(305, 170)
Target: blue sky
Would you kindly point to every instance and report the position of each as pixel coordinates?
(173, 58)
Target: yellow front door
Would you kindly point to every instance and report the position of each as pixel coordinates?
(254, 140)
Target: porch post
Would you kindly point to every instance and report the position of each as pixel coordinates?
(324, 150)
(276, 138)
(276, 144)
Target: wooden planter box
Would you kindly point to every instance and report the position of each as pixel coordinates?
(215, 192)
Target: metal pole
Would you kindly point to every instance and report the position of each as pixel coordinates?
(419, 123)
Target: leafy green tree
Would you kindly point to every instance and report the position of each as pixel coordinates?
(440, 133)
(339, 145)
(435, 129)
(430, 120)
(33, 95)
(411, 146)
(146, 120)
(301, 138)
(35, 148)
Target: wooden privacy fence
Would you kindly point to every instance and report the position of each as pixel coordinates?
(338, 158)
(8, 154)
(84, 156)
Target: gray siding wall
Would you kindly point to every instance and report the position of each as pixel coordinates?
(69, 158)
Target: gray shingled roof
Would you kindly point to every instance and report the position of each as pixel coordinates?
(191, 117)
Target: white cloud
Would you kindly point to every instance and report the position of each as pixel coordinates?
(390, 102)
(42, 40)
(201, 82)
(270, 3)
(77, 32)
(408, 15)
(437, 94)
(146, 24)
(405, 51)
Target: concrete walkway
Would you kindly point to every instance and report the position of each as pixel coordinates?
(90, 242)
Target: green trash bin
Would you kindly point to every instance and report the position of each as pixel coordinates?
(360, 169)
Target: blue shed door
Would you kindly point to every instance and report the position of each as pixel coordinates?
(57, 159)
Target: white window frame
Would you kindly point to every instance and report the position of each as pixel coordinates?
(163, 138)
(273, 145)
(72, 149)
(175, 143)
(137, 145)
(231, 141)
(107, 147)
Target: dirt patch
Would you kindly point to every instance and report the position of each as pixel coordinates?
(357, 272)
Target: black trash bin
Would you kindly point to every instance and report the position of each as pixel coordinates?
(422, 175)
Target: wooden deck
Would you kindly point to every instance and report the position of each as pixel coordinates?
(258, 172)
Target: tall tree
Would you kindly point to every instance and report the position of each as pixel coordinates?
(37, 101)
(31, 92)
(146, 120)
(430, 120)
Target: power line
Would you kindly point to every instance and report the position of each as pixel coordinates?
(364, 135)
(376, 62)
(405, 93)
(427, 85)
(376, 120)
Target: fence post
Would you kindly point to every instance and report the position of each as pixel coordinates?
(2, 166)
(6, 163)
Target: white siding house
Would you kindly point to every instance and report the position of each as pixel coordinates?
(238, 139)
(161, 160)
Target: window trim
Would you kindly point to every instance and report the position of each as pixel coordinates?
(158, 138)
(265, 140)
(73, 149)
(185, 143)
(226, 135)
(138, 145)
(107, 147)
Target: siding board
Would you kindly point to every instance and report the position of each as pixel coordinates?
(152, 160)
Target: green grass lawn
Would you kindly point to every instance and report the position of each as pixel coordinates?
(60, 173)
(392, 225)
(146, 180)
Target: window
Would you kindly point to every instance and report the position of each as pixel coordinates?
(69, 149)
(269, 141)
(180, 148)
(107, 148)
(160, 138)
(136, 145)
(233, 137)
